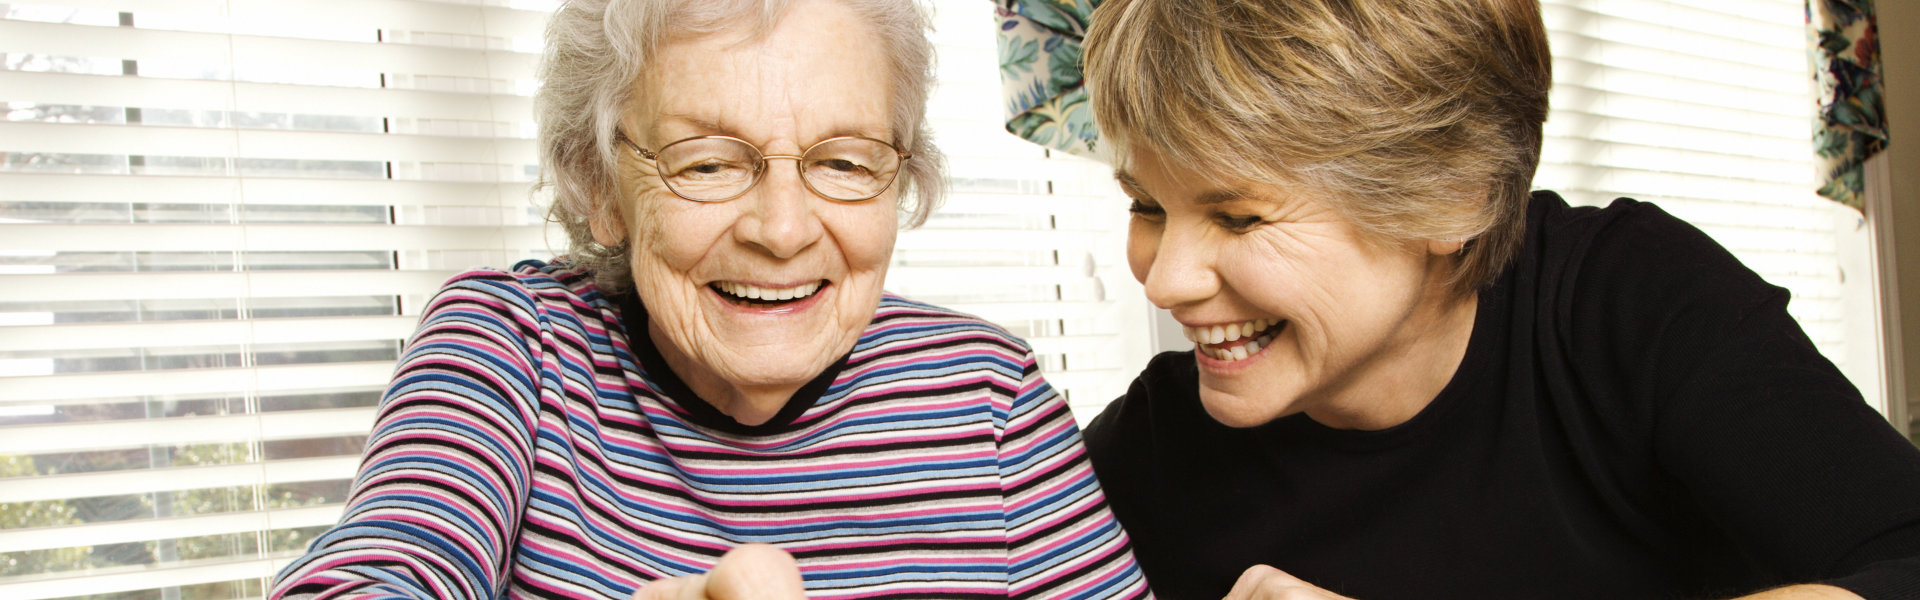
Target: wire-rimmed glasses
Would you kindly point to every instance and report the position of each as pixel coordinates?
(718, 168)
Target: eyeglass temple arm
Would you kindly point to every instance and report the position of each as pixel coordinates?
(621, 136)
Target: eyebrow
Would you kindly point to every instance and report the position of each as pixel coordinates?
(698, 123)
(1206, 198)
(720, 128)
(1128, 183)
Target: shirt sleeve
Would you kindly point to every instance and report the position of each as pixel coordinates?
(1062, 541)
(443, 483)
(1793, 464)
(1762, 433)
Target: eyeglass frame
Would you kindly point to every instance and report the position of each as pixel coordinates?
(760, 166)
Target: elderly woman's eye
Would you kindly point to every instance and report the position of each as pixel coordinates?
(709, 169)
(1237, 222)
(841, 165)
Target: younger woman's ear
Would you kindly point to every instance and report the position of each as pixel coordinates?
(1445, 247)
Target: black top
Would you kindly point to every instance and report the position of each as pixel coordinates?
(1636, 416)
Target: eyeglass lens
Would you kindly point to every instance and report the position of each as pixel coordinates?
(713, 169)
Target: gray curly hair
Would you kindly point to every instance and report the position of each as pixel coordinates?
(596, 51)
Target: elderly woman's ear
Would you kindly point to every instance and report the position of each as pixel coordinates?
(609, 226)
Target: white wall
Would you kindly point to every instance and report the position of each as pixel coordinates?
(1900, 52)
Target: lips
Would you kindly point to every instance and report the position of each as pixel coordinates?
(1234, 341)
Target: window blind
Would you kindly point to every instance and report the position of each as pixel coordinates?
(1030, 239)
(219, 219)
(1705, 108)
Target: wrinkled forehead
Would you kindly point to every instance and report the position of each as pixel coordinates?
(815, 75)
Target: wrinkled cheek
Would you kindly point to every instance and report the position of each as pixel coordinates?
(676, 239)
(870, 232)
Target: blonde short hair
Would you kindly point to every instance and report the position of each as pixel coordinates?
(1404, 114)
(598, 49)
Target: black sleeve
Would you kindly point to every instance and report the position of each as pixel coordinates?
(1764, 434)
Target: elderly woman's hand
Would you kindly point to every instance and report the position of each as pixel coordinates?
(1261, 582)
(750, 572)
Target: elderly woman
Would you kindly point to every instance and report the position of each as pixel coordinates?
(1414, 379)
(715, 366)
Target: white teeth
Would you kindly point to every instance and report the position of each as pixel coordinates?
(1239, 352)
(1226, 333)
(752, 292)
(1253, 347)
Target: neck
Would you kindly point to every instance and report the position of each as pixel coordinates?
(1410, 370)
(747, 404)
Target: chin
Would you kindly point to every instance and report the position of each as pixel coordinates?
(1240, 411)
(775, 372)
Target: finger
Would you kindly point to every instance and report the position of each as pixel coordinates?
(756, 572)
(1261, 581)
(690, 587)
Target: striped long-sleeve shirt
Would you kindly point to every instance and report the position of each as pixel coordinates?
(529, 446)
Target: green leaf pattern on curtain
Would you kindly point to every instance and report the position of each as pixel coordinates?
(1040, 78)
(1846, 66)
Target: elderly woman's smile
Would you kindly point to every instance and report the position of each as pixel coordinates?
(766, 297)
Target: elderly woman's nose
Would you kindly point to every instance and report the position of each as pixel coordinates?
(779, 216)
(1180, 273)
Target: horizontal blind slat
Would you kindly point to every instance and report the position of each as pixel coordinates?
(143, 530)
(45, 187)
(988, 239)
(259, 284)
(139, 433)
(44, 389)
(137, 481)
(199, 94)
(1569, 98)
(1039, 310)
(933, 277)
(261, 56)
(268, 237)
(258, 143)
(1576, 72)
(156, 334)
(247, 15)
(107, 581)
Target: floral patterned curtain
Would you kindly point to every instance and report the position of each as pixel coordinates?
(1040, 75)
(1846, 65)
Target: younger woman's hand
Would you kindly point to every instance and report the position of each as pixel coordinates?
(1261, 582)
(749, 572)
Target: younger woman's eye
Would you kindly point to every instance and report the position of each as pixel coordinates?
(1146, 211)
(1237, 223)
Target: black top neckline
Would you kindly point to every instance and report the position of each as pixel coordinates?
(657, 374)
